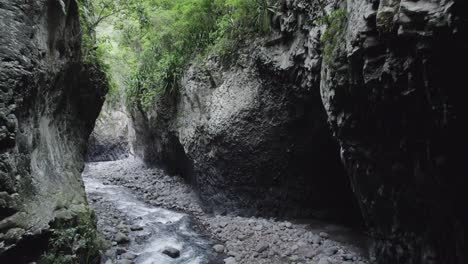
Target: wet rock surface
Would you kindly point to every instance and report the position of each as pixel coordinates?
(49, 100)
(229, 239)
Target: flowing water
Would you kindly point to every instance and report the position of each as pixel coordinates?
(161, 228)
(132, 199)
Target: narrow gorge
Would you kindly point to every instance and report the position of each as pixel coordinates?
(233, 131)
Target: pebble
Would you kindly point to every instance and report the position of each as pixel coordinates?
(121, 238)
(230, 260)
(331, 251)
(171, 252)
(136, 228)
(324, 261)
(120, 251)
(262, 247)
(218, 248)
(249, 240)
(128, 255)
(324, 235)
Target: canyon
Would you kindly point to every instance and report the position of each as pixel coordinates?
(337, 137)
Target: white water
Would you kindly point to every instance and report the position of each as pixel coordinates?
(166, 228)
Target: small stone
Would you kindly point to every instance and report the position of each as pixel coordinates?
(324, 235)
(136, 228)
(218, 248)
(262, 247)
(310, 254)
(242, 237)
(258, 228)
(288, 225)
(121, 238)
(129, 255)
(120, 251)
(230, 260)
(330, 251)
(323, 261)
(171, 252)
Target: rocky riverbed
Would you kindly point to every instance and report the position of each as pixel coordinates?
(150, 217)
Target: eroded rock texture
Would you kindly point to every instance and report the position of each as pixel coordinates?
(48, 104)
(110, 137)
(252, 134)
(395, 93)
(391, 78)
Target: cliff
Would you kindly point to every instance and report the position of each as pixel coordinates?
(49, 101)
(252, 134)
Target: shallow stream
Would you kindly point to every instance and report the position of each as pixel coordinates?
(160, 228)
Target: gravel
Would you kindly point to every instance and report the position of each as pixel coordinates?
(249, 240)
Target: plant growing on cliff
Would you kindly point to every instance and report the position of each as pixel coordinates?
(171, 33)
(336, 23)
(159, 37)
(73, 243)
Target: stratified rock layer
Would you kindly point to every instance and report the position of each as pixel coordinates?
(394, 92)
(48, 104)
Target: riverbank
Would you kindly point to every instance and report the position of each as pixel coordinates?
(125, 193)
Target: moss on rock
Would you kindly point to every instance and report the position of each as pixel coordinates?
(336, 23)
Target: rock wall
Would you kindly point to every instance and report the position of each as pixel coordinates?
(252, 134)
(394, 92)
(49, 101)
(110, 138)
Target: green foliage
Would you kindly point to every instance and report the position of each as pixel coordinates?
(72, 244)
(92, 51)
(336, 23)
(150, 42)
(157, 38)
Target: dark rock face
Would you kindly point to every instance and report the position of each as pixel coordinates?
(252, 135)
(395, 98)
(391, 79)
(109, 140)
(49, 101)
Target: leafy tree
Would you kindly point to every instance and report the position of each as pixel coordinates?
(159, 37)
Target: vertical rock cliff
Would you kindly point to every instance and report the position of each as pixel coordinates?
(110, 137)
(49, 101)
(394, 89)
(390, 73)
(251, 134)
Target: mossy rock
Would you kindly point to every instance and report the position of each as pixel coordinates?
(336, 23)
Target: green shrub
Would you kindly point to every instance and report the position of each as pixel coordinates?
(172, 33)
(336, 23)
(74, 243)
(157, 38)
